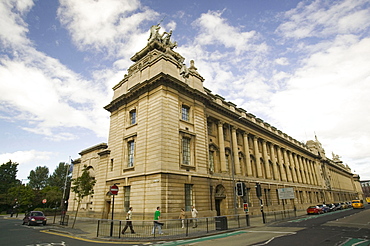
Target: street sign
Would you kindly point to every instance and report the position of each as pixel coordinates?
(286, 193)
(44, 201)
(114, 190)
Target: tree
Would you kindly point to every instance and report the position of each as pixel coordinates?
(22, 195)
(61, 179)
(82, 186)
(38, 177)
(8, 174)
(52, 195)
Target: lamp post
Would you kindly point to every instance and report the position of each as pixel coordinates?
(233, 169)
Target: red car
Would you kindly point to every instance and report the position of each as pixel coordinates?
(34, 218)
(314, 210)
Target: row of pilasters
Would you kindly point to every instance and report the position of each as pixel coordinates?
(290, 166)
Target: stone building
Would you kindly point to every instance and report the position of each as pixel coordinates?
(174, 144)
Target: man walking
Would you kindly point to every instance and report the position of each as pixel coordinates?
(194, 214)
(157, 224)
(128, 221)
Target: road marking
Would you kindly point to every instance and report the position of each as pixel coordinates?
(84, 239)
(355, 242)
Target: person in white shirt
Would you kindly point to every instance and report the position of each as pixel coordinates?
(128, 221)
(194, 214)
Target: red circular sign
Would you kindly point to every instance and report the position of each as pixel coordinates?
(114, 189)
(44, 201)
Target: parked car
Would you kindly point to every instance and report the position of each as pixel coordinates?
(338, 206)
(331, 207)
(34, 218)
(324, 208)
(344, 205)
(314, 210)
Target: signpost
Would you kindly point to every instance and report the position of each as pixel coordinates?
(114, 191)
(286, 193)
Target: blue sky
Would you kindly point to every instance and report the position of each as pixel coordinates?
(301, 66)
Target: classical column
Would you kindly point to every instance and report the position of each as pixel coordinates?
(266, 159)
(247, 156)
(294, 173)
(235, 151)
(222, 146)
(286, 160)
(303, 170)
(273, 160)
(257, 155)
(299, 169)
(309, 177)
(281, 163)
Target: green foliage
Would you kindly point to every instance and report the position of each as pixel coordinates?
(53, 196)
(8, 174)
(58, 178)
(38, 178)
(21, 195)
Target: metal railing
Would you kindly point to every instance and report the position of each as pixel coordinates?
(144, 229)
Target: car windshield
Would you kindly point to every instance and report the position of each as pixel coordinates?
(37, 214)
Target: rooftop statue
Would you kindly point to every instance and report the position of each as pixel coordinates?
(165, 38)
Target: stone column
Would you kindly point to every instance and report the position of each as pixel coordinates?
(303, 170)
(247, 156)
(257, 155)
(294, 173)
(266, 159)
(281, 162)
(299, 169)
(222, 146)
(273, 160)
(289, 174)
(235, 151)
(309, 177)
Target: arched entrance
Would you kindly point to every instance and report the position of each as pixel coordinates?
(220, 196)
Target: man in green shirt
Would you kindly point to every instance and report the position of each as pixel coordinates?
(157, 224)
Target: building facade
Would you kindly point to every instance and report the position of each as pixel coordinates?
(174, 144)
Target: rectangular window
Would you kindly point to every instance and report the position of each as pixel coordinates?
(133, 117)
(131, 151)
(188, 196)
(126, 198)
(186, 151)
(185, 113)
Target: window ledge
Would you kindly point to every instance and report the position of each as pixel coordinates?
(187, 167)
(126, 169)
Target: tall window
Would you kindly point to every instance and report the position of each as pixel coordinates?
(133, 117)
(186, 151)
(188, 196)
(185, 113)
(126, 198)
(131, 151)
(211, 161)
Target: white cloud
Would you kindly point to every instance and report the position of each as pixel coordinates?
(100, 25)
(324, 18)
(215, 30)
(27, 160)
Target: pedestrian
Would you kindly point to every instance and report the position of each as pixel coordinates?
(194, 214)
(182, 217)
(157, 224)
(128, 221)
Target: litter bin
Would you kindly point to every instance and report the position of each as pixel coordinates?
(221, 223)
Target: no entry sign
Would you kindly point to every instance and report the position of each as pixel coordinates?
(114, 189)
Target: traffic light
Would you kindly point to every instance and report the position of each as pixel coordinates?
(245, 207)
(258, 190)
(240, 189)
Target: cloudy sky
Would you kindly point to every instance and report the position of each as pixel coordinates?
(301, 66)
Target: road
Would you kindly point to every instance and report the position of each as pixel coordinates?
(342, 228)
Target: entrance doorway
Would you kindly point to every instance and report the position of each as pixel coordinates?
(220, 196)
